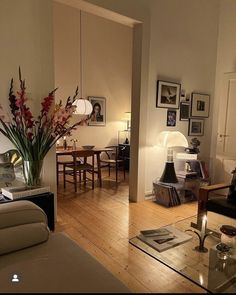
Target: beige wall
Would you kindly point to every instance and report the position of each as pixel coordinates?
(138, 10)
(182, 50)
(226, 62)
(26, 41)
(182, 42)
(106, 68)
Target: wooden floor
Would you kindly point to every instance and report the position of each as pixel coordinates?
(103, 220)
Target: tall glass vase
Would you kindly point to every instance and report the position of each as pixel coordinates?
(32, 172)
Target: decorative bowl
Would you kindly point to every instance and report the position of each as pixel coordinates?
(88, 147)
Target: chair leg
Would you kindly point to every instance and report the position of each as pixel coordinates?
(116, 171)
(124, 168)
(84, 177)
(64, 176)
(109, 167)
(75, 180)
(93, 179)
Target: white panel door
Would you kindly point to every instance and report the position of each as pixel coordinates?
(226, 138)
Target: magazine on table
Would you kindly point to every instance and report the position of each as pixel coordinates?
(164, 238)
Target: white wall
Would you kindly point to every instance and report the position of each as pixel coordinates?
(106, 68)
(183, 42)
(226, 62)
(182, 50)
(26, 41)
(138, 10)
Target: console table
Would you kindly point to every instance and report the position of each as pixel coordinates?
(45, 201)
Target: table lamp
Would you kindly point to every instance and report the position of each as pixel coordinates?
(169, 140)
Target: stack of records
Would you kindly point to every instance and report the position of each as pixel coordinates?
(166, 195)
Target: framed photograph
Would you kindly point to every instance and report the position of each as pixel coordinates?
(171, 118)
(196, 127)
(200, 105)
(184, 111)
(98, 115)
(168, 94)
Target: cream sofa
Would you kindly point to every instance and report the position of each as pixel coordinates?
(44, 261)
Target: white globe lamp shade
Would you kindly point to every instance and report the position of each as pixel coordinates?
(172, 139)
(83, 107)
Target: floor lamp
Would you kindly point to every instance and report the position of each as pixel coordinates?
(170, 140)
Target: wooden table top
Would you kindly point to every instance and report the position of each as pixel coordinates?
(69, 150)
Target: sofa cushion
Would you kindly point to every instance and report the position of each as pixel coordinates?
(22, 236)
(20, 212)
(57, 266)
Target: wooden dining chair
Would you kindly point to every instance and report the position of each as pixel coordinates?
(79, 167)
(59, 164)
(111, 160)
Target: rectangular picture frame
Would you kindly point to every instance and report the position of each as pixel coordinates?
(184, 111)
(171, 118)
(98, 115)
(196, 127)
(168, 94)
(200, 105)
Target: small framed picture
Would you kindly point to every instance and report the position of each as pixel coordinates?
(171, 118)
(196, 127)
(168, 94)
(200, 105)
(184, 110)
(98, 115)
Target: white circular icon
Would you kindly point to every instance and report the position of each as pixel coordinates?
(15, 278)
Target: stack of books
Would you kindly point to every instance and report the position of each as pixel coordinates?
(19, 192)
(166, 195)
(163, 238)
(200, 168)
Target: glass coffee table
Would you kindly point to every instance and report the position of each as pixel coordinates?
(207, 270)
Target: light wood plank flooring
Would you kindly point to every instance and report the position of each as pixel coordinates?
(103, 220)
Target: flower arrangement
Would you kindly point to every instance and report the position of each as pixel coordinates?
(34, 137)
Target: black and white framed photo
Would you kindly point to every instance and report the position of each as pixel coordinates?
(171, 118)
(184, 110)
(98, 115)
(200, 105)
(196, 127)
(168, 94)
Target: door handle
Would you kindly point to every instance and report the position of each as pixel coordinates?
(223, 135)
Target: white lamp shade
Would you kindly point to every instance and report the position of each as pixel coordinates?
(171, 139)
(83, 107)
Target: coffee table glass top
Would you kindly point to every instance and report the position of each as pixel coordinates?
(207, 270)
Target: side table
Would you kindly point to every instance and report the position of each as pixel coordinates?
(44, 201)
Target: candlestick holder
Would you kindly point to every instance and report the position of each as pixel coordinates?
(201, 247)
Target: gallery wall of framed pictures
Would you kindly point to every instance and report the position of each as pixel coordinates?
(193, 111)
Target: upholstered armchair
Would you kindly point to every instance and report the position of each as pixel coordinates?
(220, 204)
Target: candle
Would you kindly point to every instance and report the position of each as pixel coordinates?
(203, 229)
(58, 142)
(201, 280)
(64, 137)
